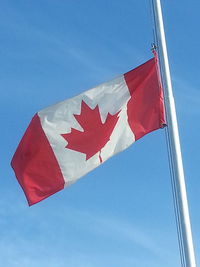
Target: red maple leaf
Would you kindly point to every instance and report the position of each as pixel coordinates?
(95, 134)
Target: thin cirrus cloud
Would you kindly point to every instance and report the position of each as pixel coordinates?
(26, 239)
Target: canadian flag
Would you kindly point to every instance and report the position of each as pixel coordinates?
(65, 141)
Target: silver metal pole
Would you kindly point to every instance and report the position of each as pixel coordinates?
(184, 222)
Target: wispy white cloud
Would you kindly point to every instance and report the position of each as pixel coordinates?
(55, 238)
(123, 231)
(64, 47)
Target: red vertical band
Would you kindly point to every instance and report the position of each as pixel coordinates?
(35, 165)
(145, 109)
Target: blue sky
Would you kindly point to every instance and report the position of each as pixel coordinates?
(120, 214)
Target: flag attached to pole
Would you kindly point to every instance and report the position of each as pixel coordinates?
(65, 141)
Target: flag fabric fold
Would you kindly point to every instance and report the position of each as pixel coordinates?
(65, 141)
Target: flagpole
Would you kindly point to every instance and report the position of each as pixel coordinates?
(181, 202)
